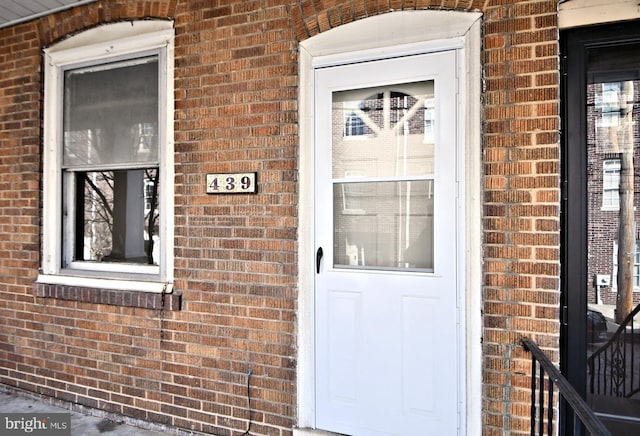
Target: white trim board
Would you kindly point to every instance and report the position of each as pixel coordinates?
(576, 13)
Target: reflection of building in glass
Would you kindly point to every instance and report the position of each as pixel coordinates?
(383, 165)
(110, 161)
(614, 120)
(114, 202)
(386, 224)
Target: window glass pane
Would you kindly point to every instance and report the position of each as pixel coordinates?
(612, 135)
(117, 216)
(384, 224)
(610, 113)
(111, 114)
(383, 176)
(382, 133)
(613, 154)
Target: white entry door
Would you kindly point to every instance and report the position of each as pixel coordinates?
(387, 318)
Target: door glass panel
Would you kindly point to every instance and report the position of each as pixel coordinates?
(386, 132)
(383, 142)
(384, 224)
(613, 336)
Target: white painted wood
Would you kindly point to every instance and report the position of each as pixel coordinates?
(387, 342)
(469, 165)
(470, 258)
(577, 13)
(386, 32)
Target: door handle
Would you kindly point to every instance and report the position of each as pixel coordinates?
(318, 259)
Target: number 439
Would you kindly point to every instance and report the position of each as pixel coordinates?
(231, 183)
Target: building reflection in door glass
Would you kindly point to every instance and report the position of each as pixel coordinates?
(613, 326)
(383, 157)
(384, 224)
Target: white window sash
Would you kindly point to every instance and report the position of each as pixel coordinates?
(610, 184)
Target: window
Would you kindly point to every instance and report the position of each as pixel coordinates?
(610, 184)
(355, 114)
(636, 265)
(108, 160)
(612, 115)
(429, 120)
(353, 125)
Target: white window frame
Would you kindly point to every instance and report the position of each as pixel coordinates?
(107, 43)
(429, 120)
(636, 267)
(610, 190)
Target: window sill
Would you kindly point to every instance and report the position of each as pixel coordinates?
(614, 290)
(145, 295)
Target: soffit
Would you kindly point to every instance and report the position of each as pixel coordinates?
(18, 11)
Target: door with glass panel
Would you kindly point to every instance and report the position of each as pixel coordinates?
(601, 282)
(387, 337)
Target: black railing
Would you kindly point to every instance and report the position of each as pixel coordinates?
(614, 369)
(550, 378)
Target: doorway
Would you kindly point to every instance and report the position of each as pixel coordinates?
(386, 293)
(600, 337)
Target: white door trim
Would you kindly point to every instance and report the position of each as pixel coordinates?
(589, 12)
(411, 32)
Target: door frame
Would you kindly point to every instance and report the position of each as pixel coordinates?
(357, 42)
(575, 44)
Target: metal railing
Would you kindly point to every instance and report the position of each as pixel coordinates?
(549, 377)
(614, 369)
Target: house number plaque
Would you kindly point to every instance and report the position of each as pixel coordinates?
(231, 183)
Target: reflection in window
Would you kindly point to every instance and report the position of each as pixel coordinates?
(636, 265)
(384, 224)
(383, 183)
(608, 99)
(117, 216)
(399, 124)
(369, 116)
(110, 162)
(611, 110)
(359, 117)
(429, 120)
(353, 125)
(610, 183)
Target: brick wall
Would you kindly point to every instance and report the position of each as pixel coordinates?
(521, 210)
(235, 99)
(236, 107)
(21, 328)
